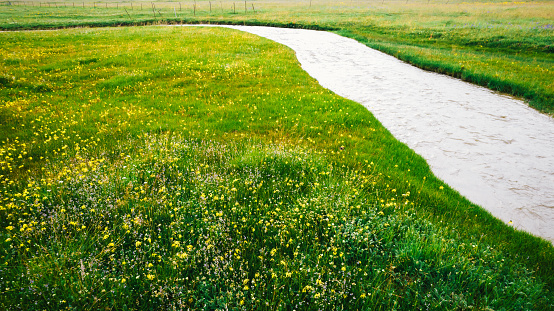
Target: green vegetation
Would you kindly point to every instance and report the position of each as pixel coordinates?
(174, 168)
(505, 46)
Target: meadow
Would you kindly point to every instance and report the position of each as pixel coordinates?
(505, 46)
(198, 168)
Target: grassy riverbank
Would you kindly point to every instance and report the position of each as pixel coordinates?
(506, 46)
(202, 168)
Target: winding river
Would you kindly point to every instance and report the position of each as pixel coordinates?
(493, 149)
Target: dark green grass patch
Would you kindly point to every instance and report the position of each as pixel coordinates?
(173, 223)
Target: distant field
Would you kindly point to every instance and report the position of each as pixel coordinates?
(199, 168)
(506, 46)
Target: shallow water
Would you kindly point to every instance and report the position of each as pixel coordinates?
(493, 149)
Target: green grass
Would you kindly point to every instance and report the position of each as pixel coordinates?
(505, 46)
(174, 168)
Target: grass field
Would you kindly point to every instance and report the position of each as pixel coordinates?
(175, 168)
(505, 46)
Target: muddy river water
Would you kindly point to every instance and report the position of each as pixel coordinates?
(493, 149)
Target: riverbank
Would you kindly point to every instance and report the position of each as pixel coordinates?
(503, 46)
(154, 167)
(492, 154)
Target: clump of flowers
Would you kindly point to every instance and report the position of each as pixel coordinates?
(177, 223)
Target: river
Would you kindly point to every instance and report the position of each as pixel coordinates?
(491, 148)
